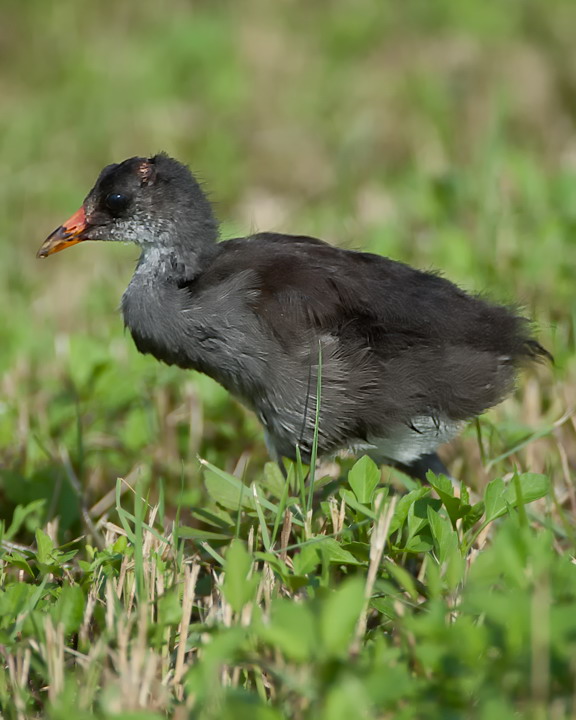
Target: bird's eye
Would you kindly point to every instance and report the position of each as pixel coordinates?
(116, 202)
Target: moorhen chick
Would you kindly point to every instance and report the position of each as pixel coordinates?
(405, 356)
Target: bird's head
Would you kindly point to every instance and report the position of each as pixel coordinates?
(153, 202)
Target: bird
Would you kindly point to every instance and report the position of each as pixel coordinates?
(380, 358)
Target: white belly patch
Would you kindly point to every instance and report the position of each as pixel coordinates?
(407, 443)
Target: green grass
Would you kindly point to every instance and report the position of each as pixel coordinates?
(200, 584)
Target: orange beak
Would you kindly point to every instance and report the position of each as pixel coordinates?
(65, 236)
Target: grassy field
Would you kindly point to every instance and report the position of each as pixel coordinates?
(152, 562)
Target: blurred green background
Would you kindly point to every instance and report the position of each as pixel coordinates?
(439, 133)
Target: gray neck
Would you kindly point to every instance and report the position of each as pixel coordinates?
(160, 262)
(177, 247)
(172, 263)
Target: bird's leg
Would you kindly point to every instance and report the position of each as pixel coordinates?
(418, 468)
